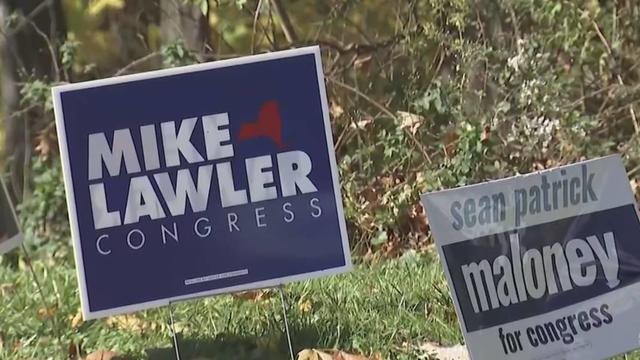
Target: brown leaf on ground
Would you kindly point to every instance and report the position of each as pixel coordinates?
(128, 322)
(74, 351)
(7, 289)
(254, 295)
(344, 356)
(305, 305)
(76, 320)
(315, 354)
(103, 355)
(47, 313)
(456, 352)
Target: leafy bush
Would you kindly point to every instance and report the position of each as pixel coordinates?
(441, 94)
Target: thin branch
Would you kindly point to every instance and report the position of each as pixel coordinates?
(29, 17)
(52, 52)
(387, 112)
(285, 21)
(137, 62)
(256, 18)
(604, 41)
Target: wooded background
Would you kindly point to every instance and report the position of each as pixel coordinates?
(424, 94)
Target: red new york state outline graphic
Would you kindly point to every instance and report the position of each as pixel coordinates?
(268, 124)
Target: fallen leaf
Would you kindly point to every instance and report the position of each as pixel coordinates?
(344, 356)
(336, 110)
(305, 305)
(457, 352)
(128, 322)
(74, 351)
(46, 313)
(76, 320)
(7, 289)
(313, 354)
(254, 295)
(103, 355)
(409, 121)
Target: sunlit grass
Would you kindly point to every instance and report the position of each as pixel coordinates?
(389, 308)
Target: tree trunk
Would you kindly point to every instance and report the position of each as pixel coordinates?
(26, 52)
(186, 22)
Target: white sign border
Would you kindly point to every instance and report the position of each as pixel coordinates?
(68, 181)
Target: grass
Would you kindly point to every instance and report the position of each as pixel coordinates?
(389, 308)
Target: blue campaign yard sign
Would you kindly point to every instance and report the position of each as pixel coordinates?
(200, 180)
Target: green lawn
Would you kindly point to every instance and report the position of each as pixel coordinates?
(389, 308)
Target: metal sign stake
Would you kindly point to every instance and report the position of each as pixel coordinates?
(173, 332)
(286, 321)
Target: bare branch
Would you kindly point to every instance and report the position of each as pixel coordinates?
(285, 21)
(256, 18)
(387, 112)
(28, 18)
(604, 41)
(137, 62)
(52, 52)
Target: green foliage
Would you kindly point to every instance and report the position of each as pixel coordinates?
(36, 94)
(176, 54)
(424, 95)
(500, 89)
(68, 53)
(44, 214)
(470, 91)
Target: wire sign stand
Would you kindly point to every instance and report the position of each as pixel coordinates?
(285, 318)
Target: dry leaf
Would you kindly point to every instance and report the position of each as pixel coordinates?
(313, 354)
(457, 352)
(362, 124)
(7, 289)
(451, 143)
(74, 351)
(45, 143)
(46, 313)
(344, 356)
(305, 305)
(635, 186)
(254, 295)
(103, 355)
(486, 134)
(76, 320)
(409, 121)
(336, 110)
(363, 62)
(128, 322)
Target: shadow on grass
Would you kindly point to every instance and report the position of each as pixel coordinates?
(236, 347)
